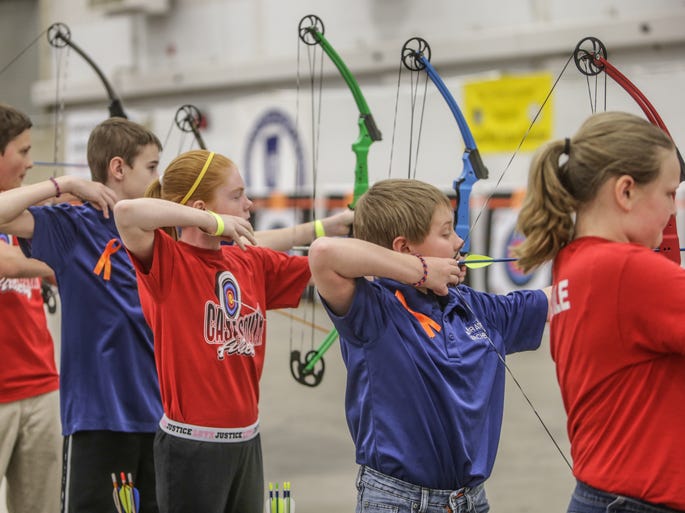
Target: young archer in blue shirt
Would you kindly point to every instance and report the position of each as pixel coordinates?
(425, 387)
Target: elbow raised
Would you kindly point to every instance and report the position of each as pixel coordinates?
(123, 212)
(321, 253)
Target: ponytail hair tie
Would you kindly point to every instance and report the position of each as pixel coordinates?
(567, 146)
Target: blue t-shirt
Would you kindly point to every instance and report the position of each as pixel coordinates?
(108, 379)
(427, 410)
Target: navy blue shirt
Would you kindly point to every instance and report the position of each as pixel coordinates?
(108, 379)
(427, 410)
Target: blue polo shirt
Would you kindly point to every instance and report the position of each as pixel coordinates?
(108, 379)
(429, 410)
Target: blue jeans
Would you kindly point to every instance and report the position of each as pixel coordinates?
(377, 492)
(586, 499)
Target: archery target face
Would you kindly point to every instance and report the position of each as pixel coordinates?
(228, 293)
(505, 277)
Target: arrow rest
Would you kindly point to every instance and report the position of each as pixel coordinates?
(587, 60)
(297, 368)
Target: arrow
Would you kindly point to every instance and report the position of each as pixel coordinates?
(474, 261)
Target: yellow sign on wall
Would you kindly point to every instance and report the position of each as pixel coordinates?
(500, 112)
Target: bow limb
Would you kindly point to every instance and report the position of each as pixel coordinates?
(416, 57)
(59, 36)
(592, 62)
(311, 32)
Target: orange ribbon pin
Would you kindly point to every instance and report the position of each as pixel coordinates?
(104, 264)
(429, 325)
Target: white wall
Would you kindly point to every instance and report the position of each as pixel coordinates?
(236, 59)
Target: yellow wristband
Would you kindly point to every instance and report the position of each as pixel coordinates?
(318, 229)
(219, 223)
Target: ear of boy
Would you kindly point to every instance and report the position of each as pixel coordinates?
(401, 245)
(116, 168)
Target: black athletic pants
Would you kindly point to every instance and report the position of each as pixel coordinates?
(208, 477)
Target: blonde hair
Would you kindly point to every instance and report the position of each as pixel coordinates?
(116, 137)
(182, 173)
(397, 207)
(607, 144)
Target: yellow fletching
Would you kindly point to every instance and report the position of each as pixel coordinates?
(477, 261)
(474, 261)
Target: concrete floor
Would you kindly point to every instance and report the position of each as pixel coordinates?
(306, 441)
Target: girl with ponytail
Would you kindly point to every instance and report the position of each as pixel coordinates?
(597, 204)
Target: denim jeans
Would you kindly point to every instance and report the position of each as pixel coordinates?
(378, 493)
(586, 499)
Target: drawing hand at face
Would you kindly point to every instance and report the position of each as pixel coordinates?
(443, 273)
(234, 228)
(340, 224)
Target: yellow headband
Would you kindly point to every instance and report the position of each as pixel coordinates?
(198, 179)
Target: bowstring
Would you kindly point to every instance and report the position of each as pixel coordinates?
(315, 72)
(516, 381)
(414, 79)
(291, 327)
(61, 62)
(394, 121)
(593, 106)
(182, 139)
(516, 151)
(316, 94)
(168, 134)
(423, 112)
(22, 52)
(480, 212)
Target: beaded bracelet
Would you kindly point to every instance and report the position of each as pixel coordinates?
(425, 271)
(57, 189)
(219, 223)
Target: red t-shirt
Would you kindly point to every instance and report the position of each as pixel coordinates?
(618, 340)
(207, 310)
(28, 356)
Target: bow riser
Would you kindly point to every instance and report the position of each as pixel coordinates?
(361, 149)
(473, 170)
